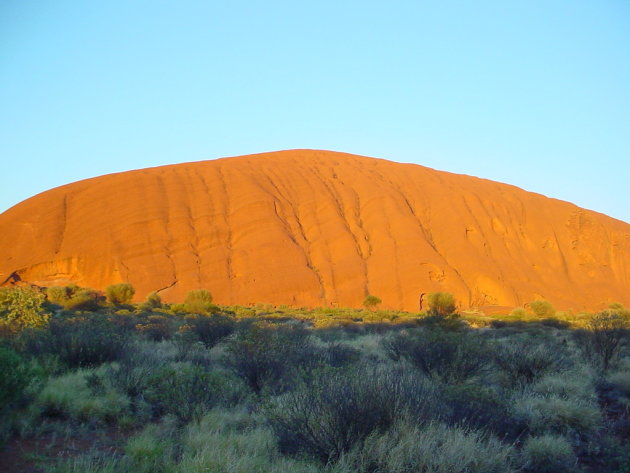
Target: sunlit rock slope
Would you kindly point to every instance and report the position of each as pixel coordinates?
(315, 228)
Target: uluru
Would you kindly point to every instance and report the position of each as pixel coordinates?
(317, 228)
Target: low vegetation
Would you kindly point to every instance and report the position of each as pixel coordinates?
(194, 387)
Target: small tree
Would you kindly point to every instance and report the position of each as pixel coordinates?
(120, 294)
(442, 304)
(604, 337)
(370, 302)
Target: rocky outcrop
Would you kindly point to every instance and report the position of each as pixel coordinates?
(313, 228)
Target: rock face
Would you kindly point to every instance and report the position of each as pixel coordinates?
(315, 228)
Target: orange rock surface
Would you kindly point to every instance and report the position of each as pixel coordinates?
(317, 228)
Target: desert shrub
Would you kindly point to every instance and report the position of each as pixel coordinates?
(85, 341)
(603, 339)
(522, 361)
(187, 391)
(267, 356)
(451, 357)
(190, 349)
(370, 301)
(132, 381)
(428, 448)
(542, 308)
(119, 294)
(519, 313)
(74, 298)
(80, 395)
(84, 299)
(132, 372)
(153, 301)
(198, 301)
(548, 454)
(157, 328)
(58, 295)
(332, 410)
(480, 406)
(340, 354)
(442, 304)
(21, 307)
(210, 330)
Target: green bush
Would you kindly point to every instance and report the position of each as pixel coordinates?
(548, 454)
(22, 307)
(80, 395)
(119, 294)
(542, 308)
(153, 449)
(518, 313)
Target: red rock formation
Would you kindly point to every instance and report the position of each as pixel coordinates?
(313, 228)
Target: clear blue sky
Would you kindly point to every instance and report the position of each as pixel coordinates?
(532, 93)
